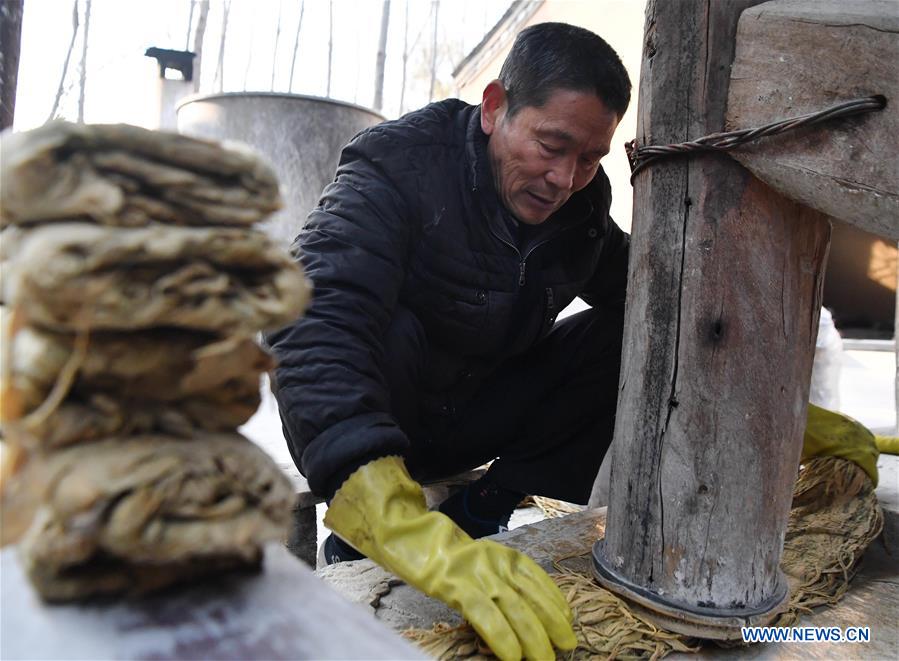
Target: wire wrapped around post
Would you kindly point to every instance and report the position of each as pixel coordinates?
(641, 157)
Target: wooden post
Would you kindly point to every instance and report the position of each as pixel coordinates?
(724, 293)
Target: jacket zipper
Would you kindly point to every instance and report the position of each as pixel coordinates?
(521, 274)
(522, 261)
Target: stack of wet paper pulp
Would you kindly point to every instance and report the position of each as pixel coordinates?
(133, 285)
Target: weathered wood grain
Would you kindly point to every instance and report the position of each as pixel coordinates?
(800, 56)
(724, 292)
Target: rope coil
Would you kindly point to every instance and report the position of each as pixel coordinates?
(640, 157)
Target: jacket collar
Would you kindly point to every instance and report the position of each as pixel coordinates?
(480, 179)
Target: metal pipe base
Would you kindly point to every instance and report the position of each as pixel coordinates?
(698, 621)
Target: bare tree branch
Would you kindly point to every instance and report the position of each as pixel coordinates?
(296, 44)
(87, 28)
(246, 72)
(418, 35)
(198, 42)
(220, 66)
(277, 37)
(434, 52)
(65, 66)
(382, 57)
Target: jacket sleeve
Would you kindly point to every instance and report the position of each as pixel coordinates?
(608, 284)
(329, 381)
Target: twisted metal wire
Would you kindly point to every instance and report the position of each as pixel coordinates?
(641, 157)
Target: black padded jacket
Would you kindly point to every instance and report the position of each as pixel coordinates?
(412, 218)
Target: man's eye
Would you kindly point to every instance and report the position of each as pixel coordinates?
(555, 151)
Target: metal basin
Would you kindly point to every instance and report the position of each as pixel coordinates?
(301, 136)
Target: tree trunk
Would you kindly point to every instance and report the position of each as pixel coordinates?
(87, 31)
(296, 45)
(382, 57)
(330, 44)
(10, 44)
(199, 34)
(277, 38)
(190, 24)
(724, 293)
(220, 66)
(405, 58)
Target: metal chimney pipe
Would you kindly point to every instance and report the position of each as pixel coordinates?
(171, 90)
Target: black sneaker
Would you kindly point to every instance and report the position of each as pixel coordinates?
(334, 550)
(457, 508)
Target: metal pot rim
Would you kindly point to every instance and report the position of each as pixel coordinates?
(194, 98)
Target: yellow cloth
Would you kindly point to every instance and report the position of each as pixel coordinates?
(828, 433)
(509, 600)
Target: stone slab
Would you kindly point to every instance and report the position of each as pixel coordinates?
(281, 612)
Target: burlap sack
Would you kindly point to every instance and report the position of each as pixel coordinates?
(128, 176)
(131, 515)
(78, 276)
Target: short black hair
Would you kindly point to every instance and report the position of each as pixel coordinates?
(551, 56)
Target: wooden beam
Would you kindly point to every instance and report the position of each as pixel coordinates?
(799, 56)
(724, 293)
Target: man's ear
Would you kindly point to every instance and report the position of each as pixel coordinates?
(493, 106)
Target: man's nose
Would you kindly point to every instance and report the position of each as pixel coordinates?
(561, 174)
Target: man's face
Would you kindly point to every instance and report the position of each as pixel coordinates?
(540, 156)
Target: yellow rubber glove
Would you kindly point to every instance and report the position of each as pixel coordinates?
(833, 434)
(887, 444)
(510, 601)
